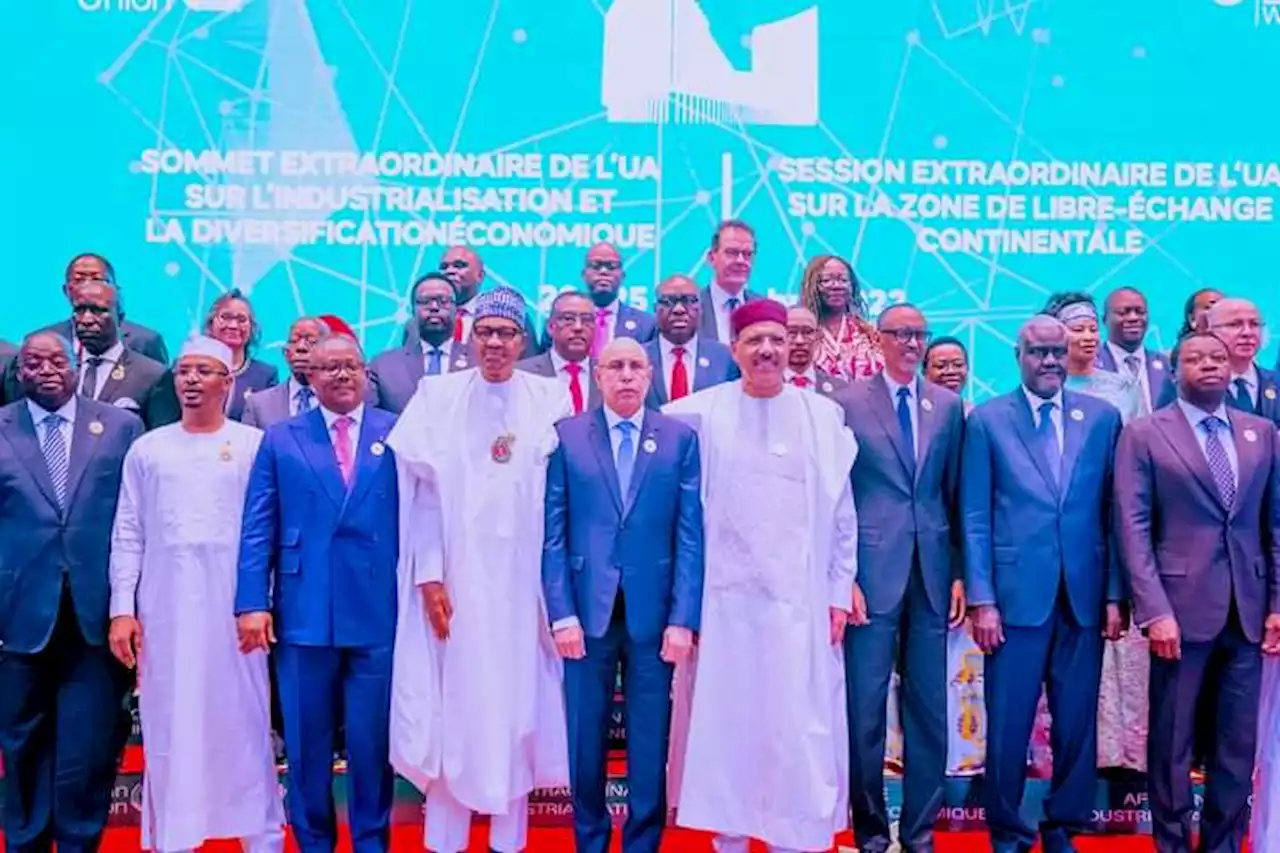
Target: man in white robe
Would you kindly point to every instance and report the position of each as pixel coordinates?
(204, 707)
(766, 753)
(477, 716)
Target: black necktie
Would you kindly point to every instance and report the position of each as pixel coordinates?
(1243, 401)
(89, 387)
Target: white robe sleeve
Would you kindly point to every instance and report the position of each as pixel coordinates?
(128, 538)
(421, 524)
(843, 570)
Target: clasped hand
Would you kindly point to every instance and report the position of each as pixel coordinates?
(677, 643)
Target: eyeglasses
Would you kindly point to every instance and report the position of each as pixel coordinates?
(802, 333)
(1043, 352)
(905, 335)
(433, 301)
(738, 254)
(839, 280)
(506, 334)
(570, 319)
(671, 301)
(337, 368)
(231, 319)
(203, 371)
(604, 266)
(1241, 325)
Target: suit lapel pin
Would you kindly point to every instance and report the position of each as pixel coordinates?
(827, 388)
(631, 325)
(1077, 415)
(462, 362)
(118, 373)
(1270, 393)
(225, 455)
(377, 448)
(95, 427)
(1157, 364)
(926, 404)
(704, 362)
(247, 392)
(649, 445)
(1250, 435)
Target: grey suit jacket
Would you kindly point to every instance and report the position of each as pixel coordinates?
(707, 329)
(542, 365)
(906, 511)
(40, 541)
(394, 375)
(827, 385)
(1184, 553)
(267, 407)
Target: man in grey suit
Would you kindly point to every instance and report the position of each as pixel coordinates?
(1197, 493)
(394, 375)
(802, 334)
(682, 360)
(281, 402)
(906, 483)
(62, 723)
(1041, 587)
(602, 274)
(572, 324)
(732, 256)
(1126, 317)
(89, 267)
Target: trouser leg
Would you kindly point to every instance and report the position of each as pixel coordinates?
(509, 833)
(448, 828)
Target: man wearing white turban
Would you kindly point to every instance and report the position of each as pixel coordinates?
(204, 705)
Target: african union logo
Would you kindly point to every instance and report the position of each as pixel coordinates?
(1264, 11)
(663, 63)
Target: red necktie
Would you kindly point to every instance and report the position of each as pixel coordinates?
(800, 381)
(679, 376)
(575, 386)
(457, 325)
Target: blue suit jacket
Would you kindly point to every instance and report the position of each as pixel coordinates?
(257, 376)
(39, 541)
(332, 550)
(1026, 536)
(634, 323)
(648, 542)
(707, 328)
(715, 365)
(1268, 405)
(1159, 374)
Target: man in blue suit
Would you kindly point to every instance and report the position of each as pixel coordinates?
(622, 573)
(906, 483)
(681, 360)
(1253, 388)
(62, 723)
(1040, 580)
(602, 274)
(1127, 320)
(318, 552)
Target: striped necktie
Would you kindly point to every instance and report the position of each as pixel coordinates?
(54, 447)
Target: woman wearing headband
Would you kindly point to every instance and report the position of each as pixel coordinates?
(1122, 694)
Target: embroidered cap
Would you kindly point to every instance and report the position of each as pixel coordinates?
(202, 345)
(503, 302)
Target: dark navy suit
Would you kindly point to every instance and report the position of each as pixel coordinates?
(633, 323)
(62, 724)
(322, 558)
(256, 376)
(1265, 399)
(602, 549)
(909, 552)
(1159, 374)
(708, 329)
(1038, 546)
(714, 364)
(394, 375)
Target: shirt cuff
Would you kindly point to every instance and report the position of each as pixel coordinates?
(122, 603)
(566, 622)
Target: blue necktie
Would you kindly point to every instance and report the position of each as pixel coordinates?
(730, 305)
(306, 399)
(1241, 400)
(55, 456)
(433, 361)
(1049, 440)
(626, 458)
(904, 422)
(1219, 463)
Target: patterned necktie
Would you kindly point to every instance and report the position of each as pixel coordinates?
(305, 398)
(433, 361)
(626, 457)
(904, 423)
(55, 456)
(575, 386)
(800, 381)
(1219, 463)
(679, 375)
(1134, 364)
(89, 385)
(1049, 440)
(1241, 398)
(458, 325)
(601, 339)
(342, 446)
(730, 305)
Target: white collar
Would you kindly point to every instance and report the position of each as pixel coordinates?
(1119, 354)
(1035, 401)
(612, 418)
(690, 347)
(356, 415)
(1196, 415)
(720, 296)
(809, 373)
(39, 413)
(1250, 377)
(446, 348)
(558, 363)
(913, 390)
(112, 354)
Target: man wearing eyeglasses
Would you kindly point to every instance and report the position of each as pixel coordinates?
(478, 716)
(317, 584)
(1252, 388)
(602, 273)
(684, 361)
(802, 335)
(1042, 588)
(395, 373)
(732, 256)
(572, 326)
(906, 483)
(173, 565)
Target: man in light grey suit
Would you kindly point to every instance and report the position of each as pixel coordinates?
(802, 334)
(732, 256)
(683, 361)
(280, 402)
(1197, 491)
(394, 375)
(906, 483)
(572, 325)
(62, 721)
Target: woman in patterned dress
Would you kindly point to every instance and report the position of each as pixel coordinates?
(848, 346)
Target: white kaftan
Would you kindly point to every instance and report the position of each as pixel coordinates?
(767, 743)
(483, 711)
(204, 706)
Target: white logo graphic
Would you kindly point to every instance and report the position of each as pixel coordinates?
(215, 5)
(152, 6)
(661, 63)
(1265, 12)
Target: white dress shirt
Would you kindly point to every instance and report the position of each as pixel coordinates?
(1121, 355)
(719, 300)
(1197, 416)
(68, 414)
(109, 360)
(1250, 378)
(669, 360)
(294, 387)
(913, 406)
(446, 353)
(356, 415)
(560, 363)
(1055, 416)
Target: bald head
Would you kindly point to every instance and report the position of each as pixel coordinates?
(1239, 324)
(1039, 326)
(47, 370)
(623, 348)
(464, 269)
(1228, 308)
(623, 374)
